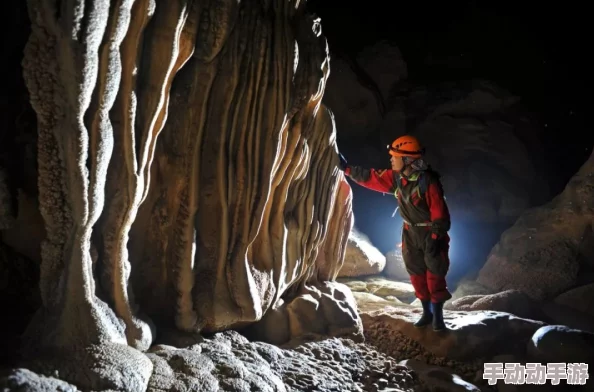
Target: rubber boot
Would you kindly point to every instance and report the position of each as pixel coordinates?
(438, 324)
(427, 315)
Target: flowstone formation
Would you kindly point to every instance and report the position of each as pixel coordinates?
(188, 177)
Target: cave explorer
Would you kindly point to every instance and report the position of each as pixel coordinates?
(426, 221)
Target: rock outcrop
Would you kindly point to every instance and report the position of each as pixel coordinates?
(395, 268)
(558, 343)
(361, 257)
(477, 136)
(510, 301)
(228, 362)
(187, 176)
(378, 286)
(549, 249)
(362, 89)
(581, 299)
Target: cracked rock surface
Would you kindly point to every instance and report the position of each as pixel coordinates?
(229, 362)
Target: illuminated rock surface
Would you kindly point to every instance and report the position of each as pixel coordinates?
(188, 179)
(228, 362)
(361, 257)
(549, 249)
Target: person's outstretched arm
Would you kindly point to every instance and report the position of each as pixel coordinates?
(376, 180)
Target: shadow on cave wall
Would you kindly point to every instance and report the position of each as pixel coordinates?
(18, 132)
(19, 275)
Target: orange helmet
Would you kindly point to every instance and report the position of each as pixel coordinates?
(406, 146)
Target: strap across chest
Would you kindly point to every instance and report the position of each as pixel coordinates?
(414, 184)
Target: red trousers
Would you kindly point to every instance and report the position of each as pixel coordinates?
(427, 272)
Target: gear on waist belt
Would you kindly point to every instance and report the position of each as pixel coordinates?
(423, 224)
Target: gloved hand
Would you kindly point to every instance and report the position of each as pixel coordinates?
(343, 162)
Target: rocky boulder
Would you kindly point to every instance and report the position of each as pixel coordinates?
(378, 286)
(470, 335)
(558, 343)
(357, 107)
(383, 62)
(27, 381)
(466, 287)
(360, 90)
(548, 250)
(229, 362)
(510, 301)
(519, 304)
(361, 257)
(326, 310)
(580, 298)
(395, 268)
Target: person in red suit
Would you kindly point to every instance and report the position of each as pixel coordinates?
(426, 221)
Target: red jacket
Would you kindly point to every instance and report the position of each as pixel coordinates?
(415, 206)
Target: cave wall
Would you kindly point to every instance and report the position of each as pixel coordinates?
(246, 192)
(187, 172)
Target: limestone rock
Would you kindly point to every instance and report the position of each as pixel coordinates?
(510, 301)
(519, 304)
(355, 104)
(99, 367)
(25, 380)
(384, 63)
(439, 378)
(401, 347)
(382, 287)
(468, 287)
(470, 334)
(386, 287)
(230, 362)
(367, 301)
(361, 257)
(328, 310)
(565, 315)
(363, 92)
(395, 268)
(580, 298)
(558, 343)
(542, 254)
(183, 180)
